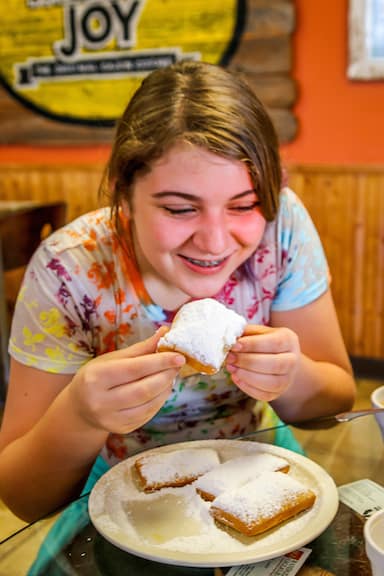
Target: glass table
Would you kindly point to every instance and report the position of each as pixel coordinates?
(349, 452)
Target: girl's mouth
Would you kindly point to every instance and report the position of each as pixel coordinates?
(205, 263)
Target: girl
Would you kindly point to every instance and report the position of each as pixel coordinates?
(198, 210)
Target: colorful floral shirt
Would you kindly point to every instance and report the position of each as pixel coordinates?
(83, 296)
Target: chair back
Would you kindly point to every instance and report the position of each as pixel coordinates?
(21, 231)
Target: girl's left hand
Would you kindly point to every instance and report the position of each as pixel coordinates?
(264, 361)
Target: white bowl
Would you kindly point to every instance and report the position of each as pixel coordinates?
(374, 542)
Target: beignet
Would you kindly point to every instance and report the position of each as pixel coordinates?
(174, 469)
(236, 472)
(263, 503)
(203, 331)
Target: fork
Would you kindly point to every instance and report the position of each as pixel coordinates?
(347, 416)
(332, 420)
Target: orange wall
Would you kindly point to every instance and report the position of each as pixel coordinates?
(340, 121)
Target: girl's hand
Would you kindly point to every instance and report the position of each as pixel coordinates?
(120, 391)
(264, 361)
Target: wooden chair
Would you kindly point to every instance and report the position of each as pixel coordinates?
(21, 231)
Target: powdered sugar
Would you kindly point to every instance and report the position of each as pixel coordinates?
(237, 471)
(171, 467)
(205, 330)
(263, 497)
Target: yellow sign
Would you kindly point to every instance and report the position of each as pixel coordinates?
(80, 60)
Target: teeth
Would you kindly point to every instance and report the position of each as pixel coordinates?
(205, 263)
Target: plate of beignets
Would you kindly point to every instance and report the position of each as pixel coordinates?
(213, 503)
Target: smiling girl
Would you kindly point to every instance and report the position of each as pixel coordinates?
(198, 210)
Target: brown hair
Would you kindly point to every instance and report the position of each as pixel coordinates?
(205, 105)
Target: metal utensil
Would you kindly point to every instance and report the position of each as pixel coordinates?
(333, 419)
(346, 416)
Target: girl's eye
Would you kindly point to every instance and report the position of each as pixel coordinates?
(246, 207)
(177, 211)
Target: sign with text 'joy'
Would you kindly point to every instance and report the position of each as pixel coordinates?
(80, 60)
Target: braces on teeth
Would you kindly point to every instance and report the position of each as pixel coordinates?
(205, 263)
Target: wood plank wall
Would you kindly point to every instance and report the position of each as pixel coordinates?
(346, 204)
(77, 185)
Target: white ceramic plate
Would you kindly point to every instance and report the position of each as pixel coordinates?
(174, 526)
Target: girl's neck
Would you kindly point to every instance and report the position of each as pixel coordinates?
(167, 296)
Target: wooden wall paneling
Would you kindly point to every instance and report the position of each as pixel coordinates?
(77, 185)
(374, 265)
(353, 284)
(366, 195)
(319, 194)
(352, 298)
(347, 206)
(379, 324)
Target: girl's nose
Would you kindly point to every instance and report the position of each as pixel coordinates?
(212, 235)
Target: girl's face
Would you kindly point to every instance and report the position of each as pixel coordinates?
(195, 219)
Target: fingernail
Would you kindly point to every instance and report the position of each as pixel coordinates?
(231, 357)
(236, 347)
(179, 360)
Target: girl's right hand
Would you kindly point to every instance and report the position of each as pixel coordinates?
(120, 391)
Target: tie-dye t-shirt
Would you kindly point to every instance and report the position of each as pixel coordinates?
(83, 296)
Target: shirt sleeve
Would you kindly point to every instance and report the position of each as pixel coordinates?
(51, 322)
(303, 269)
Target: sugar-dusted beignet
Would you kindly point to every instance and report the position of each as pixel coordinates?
(236, 472)
(203, 331)
(263, 503)
(174, 469)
